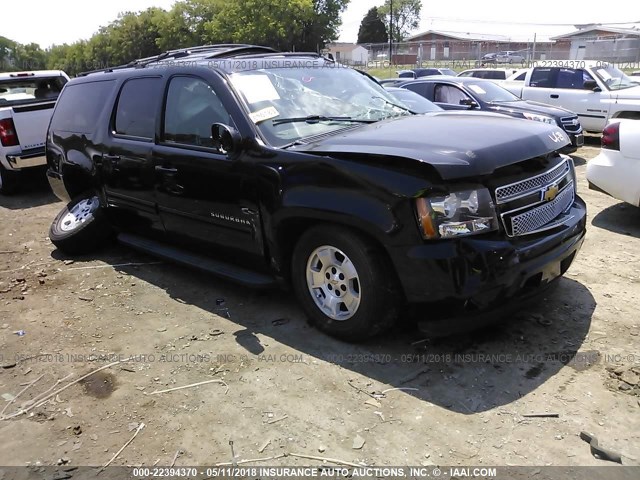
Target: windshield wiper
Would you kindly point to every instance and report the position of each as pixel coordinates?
(320, 118)
(394, 104)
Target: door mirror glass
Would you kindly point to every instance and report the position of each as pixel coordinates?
(591, 85)
(225, 139)
(469, 103)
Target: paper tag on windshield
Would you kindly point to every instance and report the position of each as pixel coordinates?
(256, 88)
(478, 89)
(264, 114)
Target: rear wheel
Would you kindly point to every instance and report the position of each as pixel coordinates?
(81, 226)
(344, 283)
(8, 181)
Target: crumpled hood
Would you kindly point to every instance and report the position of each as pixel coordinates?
(456, 144)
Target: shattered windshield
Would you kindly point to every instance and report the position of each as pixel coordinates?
(289, 104)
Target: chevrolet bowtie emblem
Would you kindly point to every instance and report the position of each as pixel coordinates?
(550, 193)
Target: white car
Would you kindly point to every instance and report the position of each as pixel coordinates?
(27, 100)
(509, 56)
(488, 73)
(616, 170)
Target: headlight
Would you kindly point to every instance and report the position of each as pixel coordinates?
(466, 212)
(539, 118)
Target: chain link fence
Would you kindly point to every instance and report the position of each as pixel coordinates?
(461, 54)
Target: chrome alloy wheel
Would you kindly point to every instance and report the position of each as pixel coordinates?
(333, 282)
(80, 213)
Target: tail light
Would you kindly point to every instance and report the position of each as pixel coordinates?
(611, 136)
(8, 135)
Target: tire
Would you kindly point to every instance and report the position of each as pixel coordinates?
(8, 181)
(81, 226)
(360, 298)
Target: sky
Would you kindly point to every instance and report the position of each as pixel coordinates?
(65, 21)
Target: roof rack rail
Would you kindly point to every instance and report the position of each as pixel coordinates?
(218, 50)
(290, 54)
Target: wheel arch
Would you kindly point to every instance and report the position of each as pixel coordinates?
(630, 114)
(291, 230)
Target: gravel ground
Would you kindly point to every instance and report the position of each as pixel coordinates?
(281, 387)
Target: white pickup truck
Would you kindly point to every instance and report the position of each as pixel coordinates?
(26, 105)
(596, 91)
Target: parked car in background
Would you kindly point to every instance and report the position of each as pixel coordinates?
(26, 104)
(467, 93)
(596, 91)
(391, 82)
(270, 168)
(635, 74)
(424, 72)
(509, 56)
(488, 58)
(519, 75)
(616, 169)
(414, 102)
(488, 73)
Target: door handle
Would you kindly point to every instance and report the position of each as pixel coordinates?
(166, 170)
(554, 96)
(111, 162)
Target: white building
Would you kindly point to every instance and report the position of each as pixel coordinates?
(348, 53)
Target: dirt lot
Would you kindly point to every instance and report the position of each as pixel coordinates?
(290, 389)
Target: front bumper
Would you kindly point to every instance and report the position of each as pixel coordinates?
(475, 275)
(577, 141)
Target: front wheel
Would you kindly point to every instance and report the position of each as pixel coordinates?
(344, 283)
(81, 226)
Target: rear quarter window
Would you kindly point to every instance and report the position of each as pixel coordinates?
(80, 105)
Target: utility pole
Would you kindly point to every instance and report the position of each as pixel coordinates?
(533, 56)
(390, 31)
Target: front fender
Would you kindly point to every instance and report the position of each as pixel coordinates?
(383, 221)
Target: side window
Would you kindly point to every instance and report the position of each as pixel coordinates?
(138, 107)
(192, 107)
(542, 77)
(80, 105)
(419, 88)
(570, 78)
(521, 77)
(495, 75)
(449, 94)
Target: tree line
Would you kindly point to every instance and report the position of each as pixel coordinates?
(288, 25)
(299, 25)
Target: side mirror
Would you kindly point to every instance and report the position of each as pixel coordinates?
(592, 85)
(226, 139)
(469, 103)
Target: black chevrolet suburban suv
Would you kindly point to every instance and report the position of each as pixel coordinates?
(272, 168)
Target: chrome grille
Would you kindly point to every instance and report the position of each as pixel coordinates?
(530, 185)
(538, 217)
(571, 124)
(537, 203)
